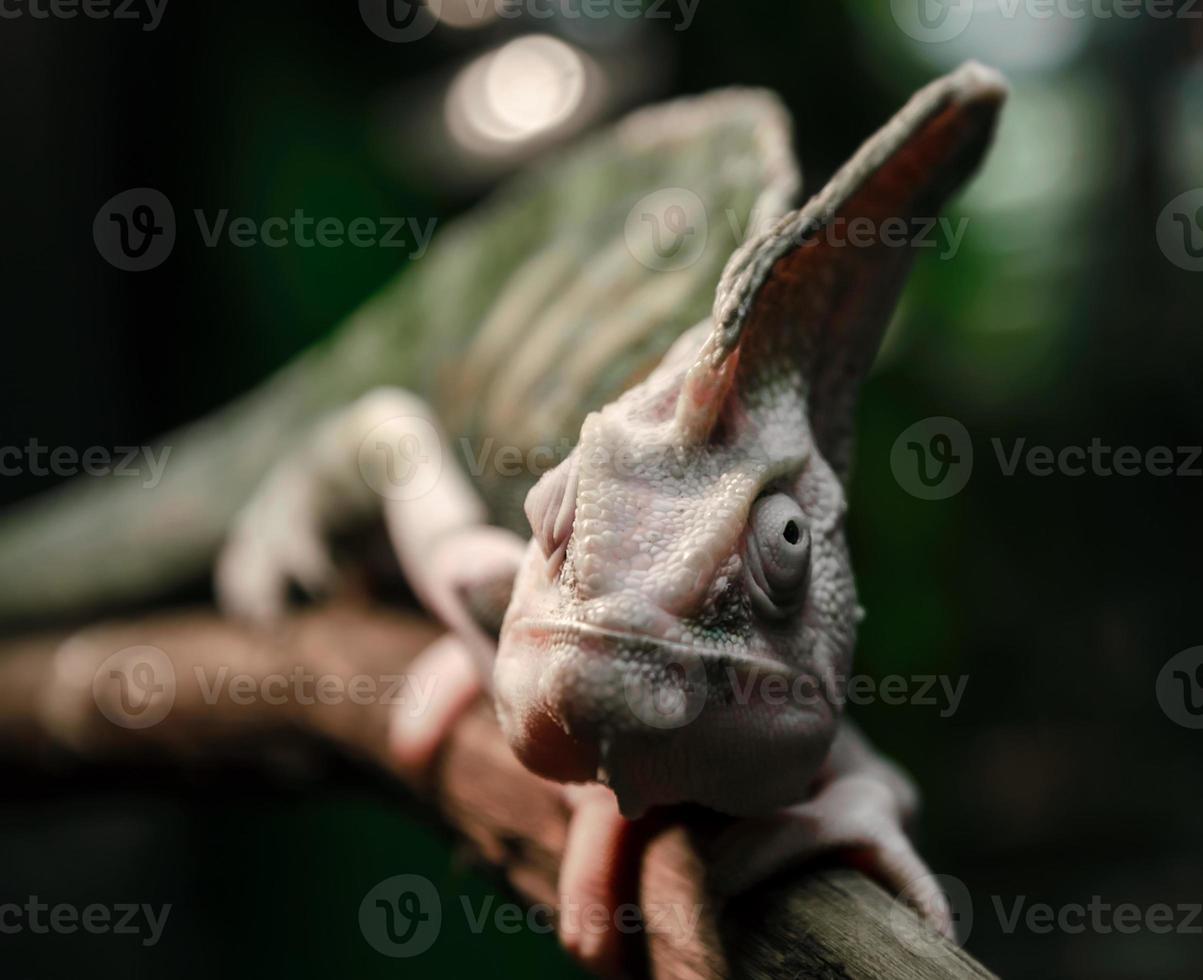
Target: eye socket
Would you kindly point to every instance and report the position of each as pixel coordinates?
(777, 554)
(551, 508)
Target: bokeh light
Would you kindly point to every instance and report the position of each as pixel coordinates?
(526, 89)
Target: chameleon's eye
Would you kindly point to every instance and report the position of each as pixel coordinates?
(777, 555)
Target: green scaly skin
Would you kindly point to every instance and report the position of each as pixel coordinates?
(542, 270)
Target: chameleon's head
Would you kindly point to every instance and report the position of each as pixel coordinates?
(686, 610)
(686, 604)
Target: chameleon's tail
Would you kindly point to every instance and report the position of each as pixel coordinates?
(102, 542)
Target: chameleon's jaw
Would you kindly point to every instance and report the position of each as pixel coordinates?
(657, 721)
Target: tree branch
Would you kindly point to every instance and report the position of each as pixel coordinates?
(220, 690)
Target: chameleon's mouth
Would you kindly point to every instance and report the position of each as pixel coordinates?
(658, 720)
(674, 651)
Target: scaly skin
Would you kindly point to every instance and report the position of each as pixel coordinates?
(688, 561)
(633, 622)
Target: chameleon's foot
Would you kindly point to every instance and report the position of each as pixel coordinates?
(855, 816)
(277, 540)
(447, 671)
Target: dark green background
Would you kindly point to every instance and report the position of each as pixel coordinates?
(1060, 321)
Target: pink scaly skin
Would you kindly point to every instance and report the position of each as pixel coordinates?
(688, 561)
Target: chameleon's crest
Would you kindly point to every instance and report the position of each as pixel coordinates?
(818, 289)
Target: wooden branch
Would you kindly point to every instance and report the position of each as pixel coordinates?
(61, 693)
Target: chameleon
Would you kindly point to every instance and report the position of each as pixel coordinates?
(684, 556)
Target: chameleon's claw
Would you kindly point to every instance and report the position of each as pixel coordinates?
(245, 584)
(466, 577)
(277, 540)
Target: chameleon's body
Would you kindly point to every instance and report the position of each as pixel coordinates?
(524, 316)
(689, 552)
